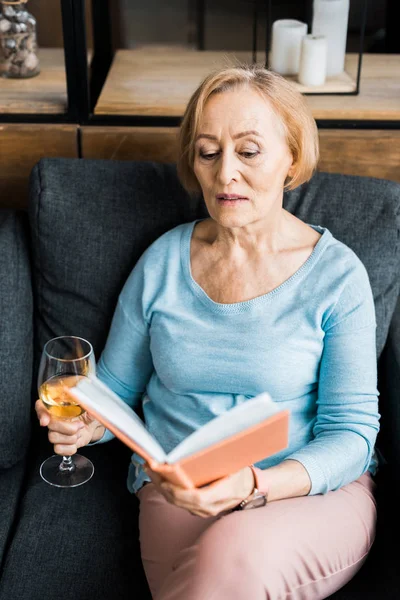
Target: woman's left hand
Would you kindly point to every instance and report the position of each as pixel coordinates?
(210, 500)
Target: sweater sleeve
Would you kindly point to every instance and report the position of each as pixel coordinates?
(125, 365)
(347, 419)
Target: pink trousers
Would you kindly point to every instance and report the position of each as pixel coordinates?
(299, 548)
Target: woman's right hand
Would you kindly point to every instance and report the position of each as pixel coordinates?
(68, 435)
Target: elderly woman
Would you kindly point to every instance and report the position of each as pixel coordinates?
(250, 299)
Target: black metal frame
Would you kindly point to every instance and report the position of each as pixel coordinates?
(84, 82)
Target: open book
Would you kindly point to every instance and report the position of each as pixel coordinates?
(243, 435)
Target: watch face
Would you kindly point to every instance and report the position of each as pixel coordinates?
(256, 502)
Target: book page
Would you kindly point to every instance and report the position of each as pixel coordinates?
(93, 394)
(236, 419)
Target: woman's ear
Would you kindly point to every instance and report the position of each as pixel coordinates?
(290, 174)
(291, 171)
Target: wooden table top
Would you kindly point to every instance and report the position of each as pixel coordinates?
(46, 93)
(159, 82)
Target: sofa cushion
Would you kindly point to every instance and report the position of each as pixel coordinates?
(15, 339)
(90, 222)
(11, 484)
(76, 544)
(364, 213)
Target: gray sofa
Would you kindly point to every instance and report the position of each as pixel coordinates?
(62, 265)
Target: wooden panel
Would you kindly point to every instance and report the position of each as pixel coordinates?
(372, 153)
(21, 146)
(130, 143)
(159, 81)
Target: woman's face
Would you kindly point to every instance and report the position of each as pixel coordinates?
(241, 158)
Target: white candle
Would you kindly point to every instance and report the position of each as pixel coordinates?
(286, 45)
(330, 18)
(313, 60)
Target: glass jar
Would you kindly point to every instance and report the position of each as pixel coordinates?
(18, 41)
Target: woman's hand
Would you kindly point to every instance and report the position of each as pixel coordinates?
(69, 435)
(210, 500)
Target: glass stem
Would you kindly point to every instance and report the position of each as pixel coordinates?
(67, 464)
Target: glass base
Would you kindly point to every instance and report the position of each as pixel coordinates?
(29, 75)
(82, 471)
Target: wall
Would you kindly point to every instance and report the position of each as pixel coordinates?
(136, 22)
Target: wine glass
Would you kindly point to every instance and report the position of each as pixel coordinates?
(64, 361)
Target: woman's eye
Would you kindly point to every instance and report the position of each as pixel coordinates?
(249, 154)
(208, 155)
(212, 155)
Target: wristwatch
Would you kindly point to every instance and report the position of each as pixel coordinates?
(258, 496)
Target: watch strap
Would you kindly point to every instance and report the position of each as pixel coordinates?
(257, 484)
(255, 493)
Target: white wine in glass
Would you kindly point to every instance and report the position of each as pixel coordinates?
(58, 403)
(64, 361)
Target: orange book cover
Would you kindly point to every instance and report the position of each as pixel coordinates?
(242, 436)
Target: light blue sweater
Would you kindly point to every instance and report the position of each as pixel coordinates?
(310, 343)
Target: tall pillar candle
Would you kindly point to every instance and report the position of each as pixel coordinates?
(286, 45)
(313, 60)
(330, 18)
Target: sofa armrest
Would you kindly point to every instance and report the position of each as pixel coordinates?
(389, 369)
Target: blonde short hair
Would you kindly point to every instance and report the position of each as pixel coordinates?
(287, 102)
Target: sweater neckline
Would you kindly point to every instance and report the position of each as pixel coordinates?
(246, 305)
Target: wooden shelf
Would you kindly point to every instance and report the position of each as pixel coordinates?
(44, 94)
(160, 81)
(343, 83)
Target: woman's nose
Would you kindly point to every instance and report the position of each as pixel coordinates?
(227, 168)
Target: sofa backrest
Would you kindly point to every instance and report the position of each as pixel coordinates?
(92, 219)
(16, 339)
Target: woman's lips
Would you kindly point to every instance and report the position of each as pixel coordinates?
(230, 199)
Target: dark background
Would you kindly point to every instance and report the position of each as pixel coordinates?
(227, 23)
